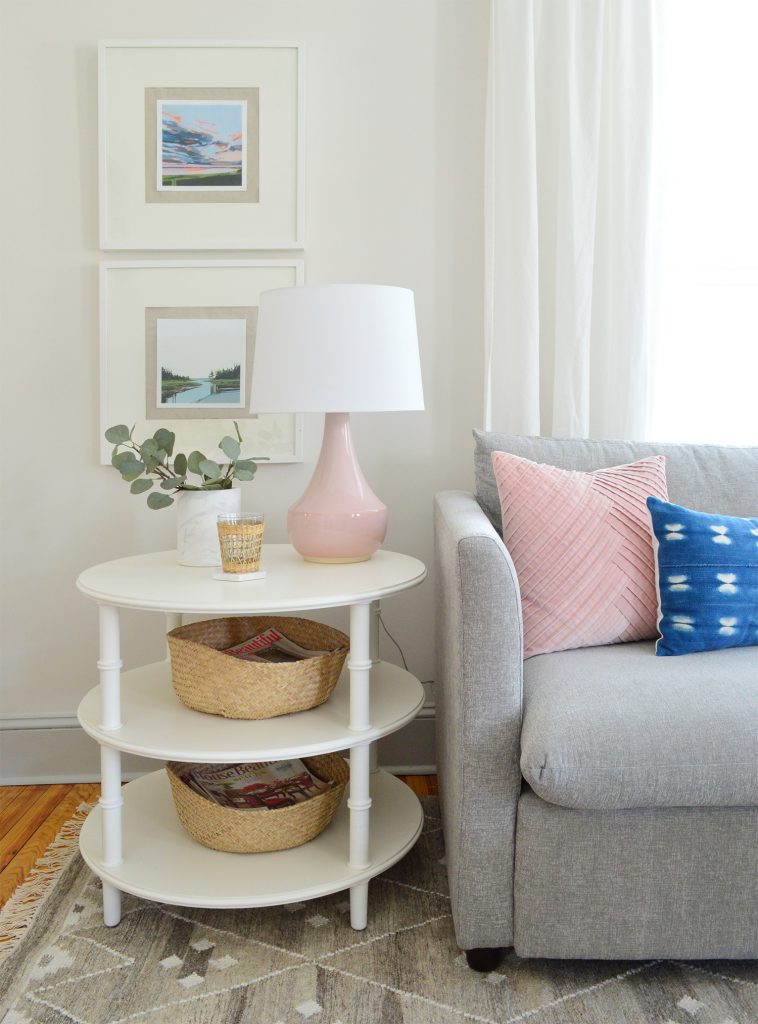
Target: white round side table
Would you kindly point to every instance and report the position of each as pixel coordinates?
(133, 840)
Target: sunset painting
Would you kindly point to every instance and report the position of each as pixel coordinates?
(201, 145)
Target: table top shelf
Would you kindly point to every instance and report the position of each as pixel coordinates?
(156, 724)
(156, 582)
(161, 862)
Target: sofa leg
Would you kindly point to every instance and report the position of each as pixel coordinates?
(485, 959)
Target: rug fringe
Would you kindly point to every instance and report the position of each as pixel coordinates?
(19, 912)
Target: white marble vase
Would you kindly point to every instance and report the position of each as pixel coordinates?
(196, 532)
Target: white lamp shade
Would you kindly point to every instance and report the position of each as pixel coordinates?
(336, 348)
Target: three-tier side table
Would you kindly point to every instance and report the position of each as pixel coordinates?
(133, 840)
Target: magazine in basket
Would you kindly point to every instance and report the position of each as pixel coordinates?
(259, 786)
(271, 645)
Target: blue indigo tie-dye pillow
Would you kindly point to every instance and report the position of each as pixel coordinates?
(707, 569)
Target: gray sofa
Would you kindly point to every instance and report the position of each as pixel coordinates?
(600, 802)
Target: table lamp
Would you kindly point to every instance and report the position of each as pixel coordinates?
(336, 349)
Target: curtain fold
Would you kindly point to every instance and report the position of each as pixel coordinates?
(567, 217)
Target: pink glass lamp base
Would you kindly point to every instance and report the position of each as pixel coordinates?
(339, 518)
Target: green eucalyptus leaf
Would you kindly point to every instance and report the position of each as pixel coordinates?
(119, 459)
(150, 447)
(158, 500)
(193, 462)
(140, 486)
(165, 439)
(230, 448)
(213, 485)
(244, 474)
(169, 485)
(151, 463)
(180, 464)
(210, 469)
(131, 470)
(118, 434)
(247, 464)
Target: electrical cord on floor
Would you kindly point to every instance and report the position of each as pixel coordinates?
(394, 641)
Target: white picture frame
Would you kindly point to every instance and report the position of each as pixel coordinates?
(130, 293)
(134, 77)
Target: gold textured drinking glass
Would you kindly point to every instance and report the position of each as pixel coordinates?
(240, 538)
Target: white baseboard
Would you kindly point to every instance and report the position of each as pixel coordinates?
(41, 749)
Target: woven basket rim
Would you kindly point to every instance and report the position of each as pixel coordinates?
(184, 632)
(334, 757)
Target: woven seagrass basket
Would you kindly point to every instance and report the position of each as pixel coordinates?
(206, 679)
(238, 831)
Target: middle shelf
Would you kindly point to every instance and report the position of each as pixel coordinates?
(156, 724)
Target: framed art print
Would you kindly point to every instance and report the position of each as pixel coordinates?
(177, 342)
(198, 361)
(201, 145)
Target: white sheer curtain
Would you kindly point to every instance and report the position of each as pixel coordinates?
(567, 217)
(706, 334)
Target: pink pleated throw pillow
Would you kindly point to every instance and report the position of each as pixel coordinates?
(583, 550)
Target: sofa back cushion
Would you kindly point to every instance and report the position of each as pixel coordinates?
(709, 478)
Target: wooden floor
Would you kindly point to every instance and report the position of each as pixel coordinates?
(31, 816)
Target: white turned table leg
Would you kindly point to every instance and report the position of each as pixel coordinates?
(111, 905)
(109, 665)
(111, 801)
(359, 906)
(359, 801)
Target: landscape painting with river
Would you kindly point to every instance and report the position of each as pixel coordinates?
(200, 363)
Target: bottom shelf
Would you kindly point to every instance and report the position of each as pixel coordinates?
(162, 863)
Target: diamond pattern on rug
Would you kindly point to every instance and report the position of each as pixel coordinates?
(52, 960)
(310, 934)
(309, 1009)
(394, 962)
(170, 960)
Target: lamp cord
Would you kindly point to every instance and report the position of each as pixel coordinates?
(394, 641)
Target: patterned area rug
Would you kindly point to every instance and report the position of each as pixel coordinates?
(303, 964)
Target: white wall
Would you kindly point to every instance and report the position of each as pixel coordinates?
(395, 97)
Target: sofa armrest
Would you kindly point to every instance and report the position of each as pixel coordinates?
(479, 686)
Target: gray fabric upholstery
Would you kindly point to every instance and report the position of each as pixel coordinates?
(636, 884)
(614, 727)
(478, 709)
(710, 478)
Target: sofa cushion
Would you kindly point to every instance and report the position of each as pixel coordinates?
(583, 550)
(614, 727)
(709, 478)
